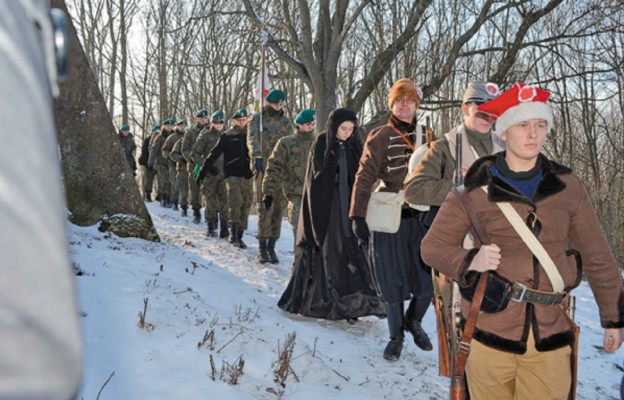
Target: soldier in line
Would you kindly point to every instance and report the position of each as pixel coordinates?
(160, 163)
(182, 176)
(213, 187)
(127, 142)
(275, 125)
(166, 151)
(285, 172)
(201, 121)
(238, 174)
(148, 172)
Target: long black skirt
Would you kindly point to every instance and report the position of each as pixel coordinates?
(334, 281)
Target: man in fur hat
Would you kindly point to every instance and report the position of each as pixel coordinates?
(396, 261)
(522, 350)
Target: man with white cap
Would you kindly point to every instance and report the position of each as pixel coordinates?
(522, 349)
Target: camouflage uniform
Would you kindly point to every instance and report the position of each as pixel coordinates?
(129, 147)
(161, 165)
(236, 168)
(166, 151)
(182, 177)
(213, 186)
(285, 171)
(275, 126)
(148, 172)
(188, 141)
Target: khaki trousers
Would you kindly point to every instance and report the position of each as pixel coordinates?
(498, 375)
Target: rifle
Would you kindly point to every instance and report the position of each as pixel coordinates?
(260, 174)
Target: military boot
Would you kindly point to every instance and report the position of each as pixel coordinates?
(223, 233)
(233, 234)
(271, 250)
(184, 211)
(239, 242)
(148, 197)
(394, 313)
(415, 311)
(211, 229)
(174, 205)
(263, 256)
(196, 215)
(163, 201)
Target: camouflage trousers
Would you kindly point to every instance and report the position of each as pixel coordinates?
(215, 192)
(294, 205)
(193, 188)
(164, 187)
(270, 221)
(239, 199)
(148, 180)
(183, 186)
(173, 181)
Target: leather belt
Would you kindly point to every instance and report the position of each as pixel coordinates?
(520, 292)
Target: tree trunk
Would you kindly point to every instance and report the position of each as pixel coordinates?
(98, 181)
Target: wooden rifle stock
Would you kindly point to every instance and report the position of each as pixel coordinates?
(444, 356)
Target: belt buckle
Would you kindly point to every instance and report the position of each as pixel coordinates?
(524, 289)
(558, 299)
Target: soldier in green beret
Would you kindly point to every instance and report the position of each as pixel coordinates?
(129, 146)
(285, 174)
(160, 163)
(213, 186)
(192, 190)
(237, 171)
(275, 125)
(166, 151)
(148, 171)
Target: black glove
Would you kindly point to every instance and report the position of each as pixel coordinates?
(200, 176)
(213, 170)
(360, 228)
(267, 200)
(258, 165)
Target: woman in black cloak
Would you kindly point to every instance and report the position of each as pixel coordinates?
(331, 278)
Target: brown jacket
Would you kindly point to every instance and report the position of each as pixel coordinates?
(564, 210)
(385, 157)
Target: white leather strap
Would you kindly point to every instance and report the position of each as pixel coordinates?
(532, 243)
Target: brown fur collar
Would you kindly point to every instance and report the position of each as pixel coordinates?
(499, 190)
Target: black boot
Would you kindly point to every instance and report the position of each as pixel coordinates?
(233, 238)
(271, 250)
(413, 317)
(163, 201)
(394, 312)
(239, 235)
(175, 205)
(196, 215)
(148, 197)
(263, 256)
(184, 211)
(211, 229)
(223, 233)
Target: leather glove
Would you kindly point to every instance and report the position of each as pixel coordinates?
(258, 165)
(267, 200)
(213, 170)
(200, 176)
(360, 228)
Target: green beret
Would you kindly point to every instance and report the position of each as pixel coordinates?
(202, 113)
(181, 122)
(305, 116)
(125, 128)
(276, 96)
(241, 112)
(169, 121)
(217, 116)
(155, 128)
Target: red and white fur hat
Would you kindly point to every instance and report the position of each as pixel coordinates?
(520, 103)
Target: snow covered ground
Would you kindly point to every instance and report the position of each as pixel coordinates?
(210, 313)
